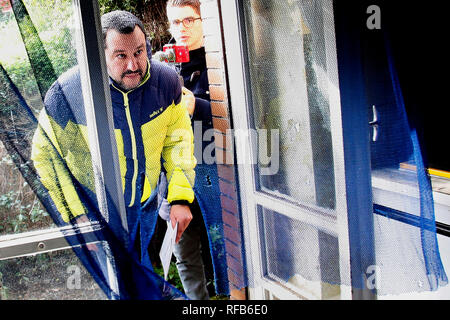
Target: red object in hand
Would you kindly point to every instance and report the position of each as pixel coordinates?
(176, 54)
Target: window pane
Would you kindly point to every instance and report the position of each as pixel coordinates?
(290, 85)
(300, 255)
(38, 44)
(20, 208)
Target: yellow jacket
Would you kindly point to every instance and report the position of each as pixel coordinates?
(150, 121)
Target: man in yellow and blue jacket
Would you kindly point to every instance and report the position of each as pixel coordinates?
(152, 129)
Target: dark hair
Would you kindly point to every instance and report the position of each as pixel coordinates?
(121, 21)
(195, 4)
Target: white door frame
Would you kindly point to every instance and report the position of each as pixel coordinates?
(335, 222)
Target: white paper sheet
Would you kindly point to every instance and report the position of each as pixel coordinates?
(165, 254)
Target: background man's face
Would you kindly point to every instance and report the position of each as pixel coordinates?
(126, 57)
(191, 37)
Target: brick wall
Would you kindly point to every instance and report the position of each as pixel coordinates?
(224, 146)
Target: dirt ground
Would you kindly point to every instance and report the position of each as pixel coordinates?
(46, 277)
(49, 276)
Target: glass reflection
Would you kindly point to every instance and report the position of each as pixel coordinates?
(290, 88)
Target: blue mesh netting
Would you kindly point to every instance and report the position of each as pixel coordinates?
(409, 259)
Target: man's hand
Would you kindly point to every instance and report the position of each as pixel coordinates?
(182, 214)
(188, 99)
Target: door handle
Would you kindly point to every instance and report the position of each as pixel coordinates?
(374, 123)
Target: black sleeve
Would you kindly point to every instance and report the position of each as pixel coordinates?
(202, 112)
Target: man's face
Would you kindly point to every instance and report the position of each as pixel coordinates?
(126, 57)
(192, 37)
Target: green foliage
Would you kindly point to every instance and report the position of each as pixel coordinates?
(173, 278)
(152, 13)
(3, 288)
(61, 54)
(52, 20)
(127, 5)
(20, 209)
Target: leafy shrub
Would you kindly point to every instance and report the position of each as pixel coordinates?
(20, 209)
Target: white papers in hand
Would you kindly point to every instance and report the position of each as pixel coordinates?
(165, 254)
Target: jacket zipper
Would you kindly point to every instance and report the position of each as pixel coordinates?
(133, 137)
(133, 148)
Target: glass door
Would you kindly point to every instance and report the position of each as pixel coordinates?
(286, 105)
